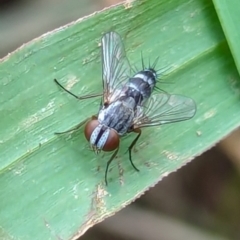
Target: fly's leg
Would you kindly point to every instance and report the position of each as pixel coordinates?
(76, 127)
(77, 97)
(108, 163)
(132, 145)
(72, 129)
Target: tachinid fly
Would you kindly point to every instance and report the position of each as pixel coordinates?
(127, 102)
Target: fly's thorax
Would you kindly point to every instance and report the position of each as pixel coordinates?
(118, 115)
(101, 137)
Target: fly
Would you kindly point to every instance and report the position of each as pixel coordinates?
(127, 102)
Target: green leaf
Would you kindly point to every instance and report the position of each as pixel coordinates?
(53, 186)
(228, 13)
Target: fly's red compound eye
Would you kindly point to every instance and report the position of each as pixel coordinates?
(103, 138)
(89, 128)
(112, 142)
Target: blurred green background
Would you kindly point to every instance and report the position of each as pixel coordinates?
(199, 201)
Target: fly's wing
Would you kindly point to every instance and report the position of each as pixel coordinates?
(164, 108)
(115, 66)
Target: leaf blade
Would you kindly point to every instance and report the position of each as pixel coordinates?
(56, 181)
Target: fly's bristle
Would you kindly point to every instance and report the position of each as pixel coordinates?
(152, 67)
(159, 89)
(155, 63)
(134, 68)
(162, 71)
(143, 66)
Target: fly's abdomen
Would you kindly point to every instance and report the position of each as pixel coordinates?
(141, 85)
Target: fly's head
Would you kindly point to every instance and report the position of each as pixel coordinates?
(101, 137)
